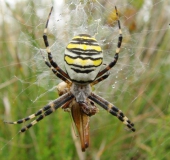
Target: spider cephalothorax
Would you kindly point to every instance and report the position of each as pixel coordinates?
(83, 59)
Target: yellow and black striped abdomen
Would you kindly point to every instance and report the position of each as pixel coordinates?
(83, 58)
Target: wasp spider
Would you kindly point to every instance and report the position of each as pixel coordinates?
(83, 60)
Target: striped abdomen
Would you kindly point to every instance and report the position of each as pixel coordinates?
(83, 58)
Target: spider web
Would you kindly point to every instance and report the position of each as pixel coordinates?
(138, 84)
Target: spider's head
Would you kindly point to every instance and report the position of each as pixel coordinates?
(81, 92)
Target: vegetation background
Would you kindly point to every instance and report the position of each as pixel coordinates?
(138, 85)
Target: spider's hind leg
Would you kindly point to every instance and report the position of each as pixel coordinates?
(50, 57)
(120, 38)
(55, 71)
(103, 77)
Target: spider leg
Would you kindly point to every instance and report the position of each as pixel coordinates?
(45, 111)
(39, 112)
(55, 71)
(54, 64)
(103, 77)
(112, 109)
(117, 49)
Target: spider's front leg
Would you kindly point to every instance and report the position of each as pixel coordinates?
(112, 109)
(45, 111)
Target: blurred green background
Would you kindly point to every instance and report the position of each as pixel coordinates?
(138, 84)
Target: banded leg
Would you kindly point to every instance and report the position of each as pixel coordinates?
(55, 71)
(99, 79)
(39, 112)
(117, 50)
(54, 64)
(112, 109)
(45, 111)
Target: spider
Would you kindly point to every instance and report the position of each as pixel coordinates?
(83, 60)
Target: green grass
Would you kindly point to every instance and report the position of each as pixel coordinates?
(144, 97)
